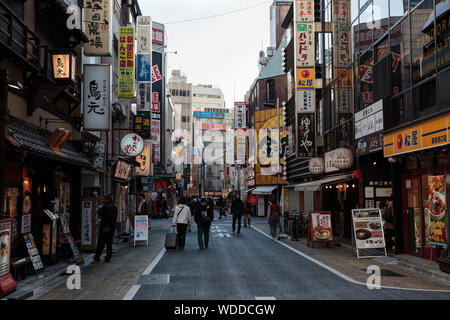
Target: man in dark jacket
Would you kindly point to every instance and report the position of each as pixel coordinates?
(204, 215)
(237, 210)
(108, 215)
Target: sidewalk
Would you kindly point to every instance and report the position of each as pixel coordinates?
(396, 271)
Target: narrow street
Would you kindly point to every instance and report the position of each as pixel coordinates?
(250, 266)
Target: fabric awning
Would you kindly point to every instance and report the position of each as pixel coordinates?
(34, 141)
(315, 185)
(264, 190)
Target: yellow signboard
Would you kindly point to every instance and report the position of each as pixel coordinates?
(344, 77)
(126, 62)
(426, 135)
(305, 78)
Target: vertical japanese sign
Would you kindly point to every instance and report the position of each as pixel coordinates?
(97, 97)
(240, 120)
(126, 62)
(144, 160)
(86, 220)
(5, 246)
(97, 27)
(142, 124)
(305, 57)
(144, 59)
(435, 213)
(157, 99)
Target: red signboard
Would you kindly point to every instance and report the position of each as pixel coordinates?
(158, 36)
(7, 282)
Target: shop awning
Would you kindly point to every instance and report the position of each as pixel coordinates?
(35, 142)
(315, 185)
(264, 190)
(249, 190)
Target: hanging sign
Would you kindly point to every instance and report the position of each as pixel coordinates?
(305, 55)
(122, 170)
(144, 67)
(97, 26)
(144, 35)
(144, 160)
(368, 233)
(142, 124)
(306, 135)
(319, 229)
(304, 10)
(86, 223)
(305, 78)
(126, 62)
(26, 223)
(240, 121)
(97, 97)
(99, 162)
(132, 144)
(306, 101)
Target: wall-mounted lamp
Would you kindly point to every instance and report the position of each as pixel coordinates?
(13, 84)
(64, 64)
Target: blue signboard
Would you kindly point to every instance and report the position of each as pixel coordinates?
(211, 115)
(143, 72)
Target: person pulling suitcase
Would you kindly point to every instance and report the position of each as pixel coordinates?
(182, 219)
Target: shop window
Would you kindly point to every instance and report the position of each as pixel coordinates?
(396, 115)
(400, 53)
(422, 44)
(443, 85)
(424, 98)
(381, 71)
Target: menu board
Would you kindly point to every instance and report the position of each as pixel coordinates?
(78, 258)
(320, 229)
(33, 252)
(368, 232)
(5, 246)
(140, 229)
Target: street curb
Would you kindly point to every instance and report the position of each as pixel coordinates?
(429, 273)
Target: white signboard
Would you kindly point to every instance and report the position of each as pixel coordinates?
(306, 99)
(86, 223)
(304, 10)
(383, 192)
(96, 97)
(240, 120)
(99, 162)
(144, 35)
(240, 149)
(26, 223)
(368, 192)
(140, 229)
(305, 55)
(97, 27)
(368, 232)
(144, 160)
(369, 120)
(344, 100)
(132, 144)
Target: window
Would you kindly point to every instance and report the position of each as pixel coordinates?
(366, 80)
(401, 62)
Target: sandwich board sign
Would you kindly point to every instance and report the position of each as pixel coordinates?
(368, 233)
(140, 229)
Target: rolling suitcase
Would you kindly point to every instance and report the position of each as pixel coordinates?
(171, 240)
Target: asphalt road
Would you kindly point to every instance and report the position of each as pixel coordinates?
(252, 266)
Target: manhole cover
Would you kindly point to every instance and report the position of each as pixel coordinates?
(154, 279)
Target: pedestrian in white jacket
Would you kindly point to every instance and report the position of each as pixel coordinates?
(182, 218)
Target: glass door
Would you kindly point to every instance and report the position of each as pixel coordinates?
(414, 216)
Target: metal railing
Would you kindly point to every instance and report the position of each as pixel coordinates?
(17, 37)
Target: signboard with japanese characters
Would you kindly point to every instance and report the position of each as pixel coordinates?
(240, 115)
(144, 95)
(305, 78)
(122, 170)
(305, 54)
(368, 233)
(33, 252)
(126, 62)
(158, 36)
(142, 124)
(99, 162)
(157, 101)
(132, 144)
(140, 229)
(144, 35)
(329, 166)
(320, 229)
(143, 67)
(97, 97)
(144, 160)
(86, 223)
(369, 120)
(304, 11)
(156, 137)
(306, 136)
(305, 101)
(97, 27)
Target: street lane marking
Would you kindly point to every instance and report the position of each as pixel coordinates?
(339, 274)
(132, 292)
(222, 235)
(135, 288)
(265, 298)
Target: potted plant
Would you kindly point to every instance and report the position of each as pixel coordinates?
(444, 262)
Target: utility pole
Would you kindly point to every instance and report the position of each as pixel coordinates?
(4, 74)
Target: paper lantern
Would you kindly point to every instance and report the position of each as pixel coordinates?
(343, 158)
(316, 165)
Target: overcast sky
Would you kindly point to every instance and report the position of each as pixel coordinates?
(222, 51)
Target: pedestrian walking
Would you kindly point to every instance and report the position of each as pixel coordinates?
(237, 210)
(274, 218)
(388, 218)
(204, 215)
(108, 216)
(144, 209)
(164, 208)
(247, 211)
(182, 219)
(221, 207)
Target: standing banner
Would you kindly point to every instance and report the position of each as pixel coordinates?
(96, 97)
(140, 229)
(435, 212)
(368, 233)
(126, 62)
(7, 282)
(33, 252)
(157, 100)
(97, 27)
(319, 228)
(86, 223)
